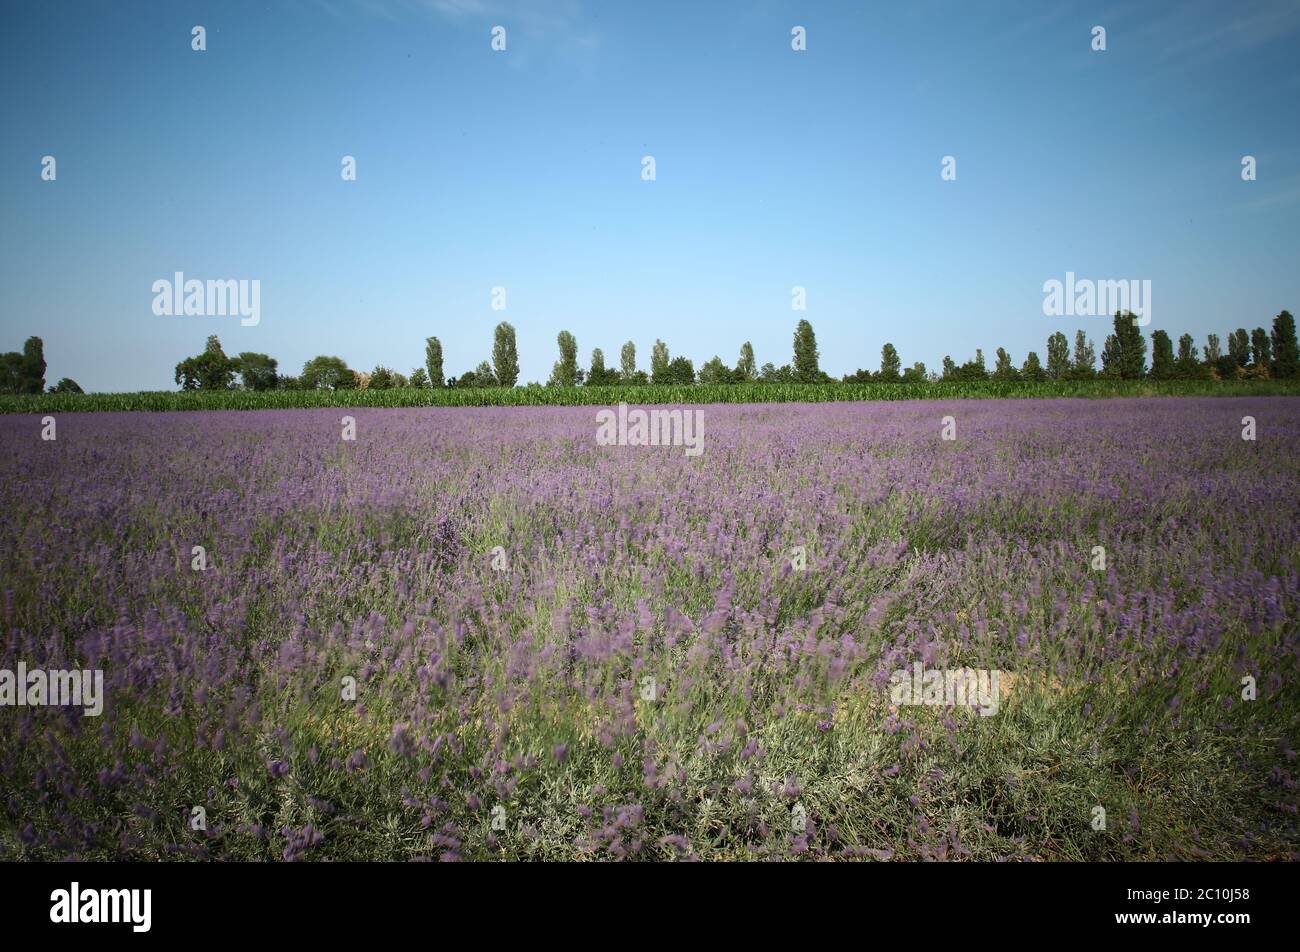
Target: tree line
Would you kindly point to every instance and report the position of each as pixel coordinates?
(1256, 354)
(25, 372)
(1259, 353)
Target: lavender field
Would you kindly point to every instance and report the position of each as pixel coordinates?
(565, 650)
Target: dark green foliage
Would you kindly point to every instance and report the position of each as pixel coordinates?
(565, 371)
(771, 374)
(1002, 367)
(480, 378)
(33, 373)
(1261, 348)
(1186, 365)
(659, 363)
(11, 373)
(433, 362)
(1110, 358)
(1286, 352)
(505, 355)
(714, 372)
(600, 375)
(889, 364)
(915, 373)
(258, 371)
(745, 368)
(969, 371)
(681, 372)
(1058, 356)
(1084, 366)
(806, 369)
(1162, 356)
(1131, 346)
(327, 373)
(210, 370)
(1239, 346)
(534, 395)
(1033, 370)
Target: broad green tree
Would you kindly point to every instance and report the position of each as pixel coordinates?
(258, 371)
(210, 370)
(327, 373)
(681, 371)
(714, 371)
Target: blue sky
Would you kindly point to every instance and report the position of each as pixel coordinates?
(522, 169)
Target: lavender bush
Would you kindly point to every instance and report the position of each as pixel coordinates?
(642, 669)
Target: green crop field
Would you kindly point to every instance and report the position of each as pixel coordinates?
(595, 396)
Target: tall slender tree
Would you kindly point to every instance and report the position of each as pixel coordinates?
(1186, 364)
(1002, 367)
(1162, 356)
(806, 369)
(890, 364)
(505, 355)
(627, 359)
(1111, 363)
(1261, 348)
(33, 366)
(659, 363)
(565, 372)
(1033, 368)
(1058, 356)
(1132, 346)
(1239, 346)
(745, 368)
(1085, 356)
(1286, 352)
(433, 362)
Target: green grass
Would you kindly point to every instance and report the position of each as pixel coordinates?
(606, 396)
